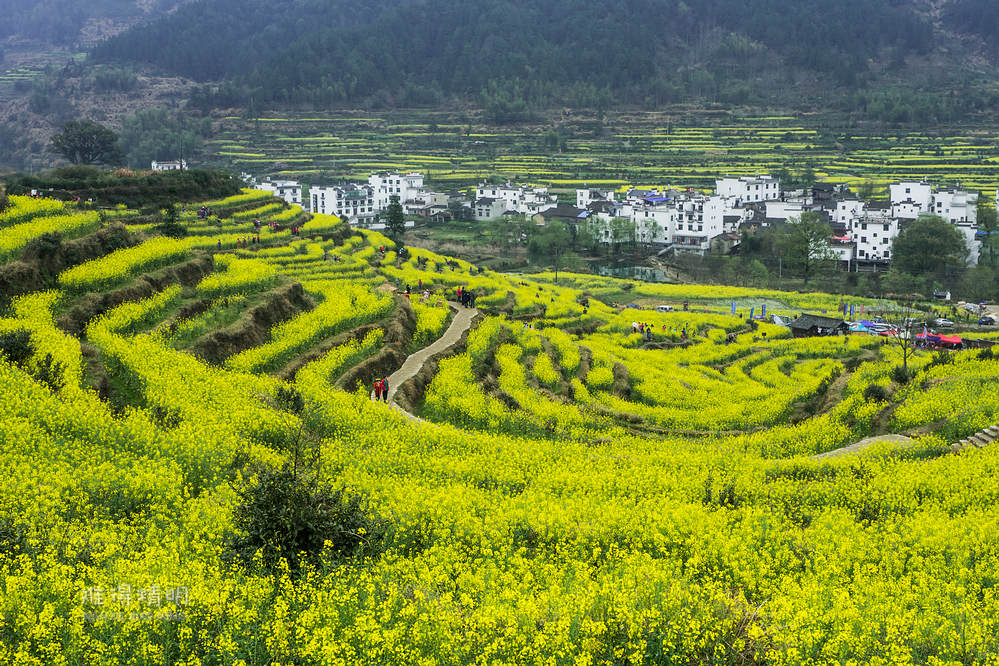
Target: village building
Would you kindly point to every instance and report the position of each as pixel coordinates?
(175, 165)
(289, 190)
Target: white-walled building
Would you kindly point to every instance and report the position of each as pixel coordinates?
(848, 209)
(387, 185)
(910, 199)
(175, 165)
(873, 232)
(488, 208)
(522, 199)
(586, 196)
(749, 189)
(956, 206)
(356, 202)
(289, 190)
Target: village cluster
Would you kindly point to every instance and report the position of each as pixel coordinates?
(666, 220)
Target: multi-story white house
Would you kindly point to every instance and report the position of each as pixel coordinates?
(586, 196)
(873, 231)
(175, 165)
(387, 185)
(956, 206)
(910, 199)
(749, 189)
(356, 202)
(289, 190)
(488, 208)
(522, 199)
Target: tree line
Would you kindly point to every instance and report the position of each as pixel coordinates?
(514, 56)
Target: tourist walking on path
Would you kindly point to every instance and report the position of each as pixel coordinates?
(385, 389)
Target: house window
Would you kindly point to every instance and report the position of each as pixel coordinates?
(863, 239)
(864, 226)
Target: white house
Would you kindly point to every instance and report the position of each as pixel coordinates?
(387, 185)
(356, 202)
(519, 198)
(873, 232)
(488, 208)
(910, 199)
(956, 206)
(176, 165)
(749, 189)
(289, 190)
(586, 196)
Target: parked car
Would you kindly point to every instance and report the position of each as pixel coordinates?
(664, 308)
(943, 323)
(987, 321)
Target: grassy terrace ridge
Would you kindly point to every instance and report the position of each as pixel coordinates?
(564, 151)
(197, 474)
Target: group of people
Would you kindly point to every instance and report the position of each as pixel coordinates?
(381, 389)
(647, 330)
(205, 212)
(466, 297)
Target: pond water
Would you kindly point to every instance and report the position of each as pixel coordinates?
(643, 273)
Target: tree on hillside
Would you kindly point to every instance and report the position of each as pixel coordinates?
(86, 142)
(804, 244)
(988, 221)
(550, 242)
(929, 246)
(395, 222)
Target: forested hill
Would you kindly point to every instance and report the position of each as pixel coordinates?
(515, 54)
(66, 22)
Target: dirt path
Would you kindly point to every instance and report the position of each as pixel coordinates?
(857, 447)
(460, 323)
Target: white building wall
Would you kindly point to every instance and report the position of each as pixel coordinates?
(354, 202)
(848, 209)
(956, 206)
(749, 189)
(586, 196)
(873, 234)
(289, 190)
(911, 198)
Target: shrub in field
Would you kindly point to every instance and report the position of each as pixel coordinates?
(290, 517)
(876, 393)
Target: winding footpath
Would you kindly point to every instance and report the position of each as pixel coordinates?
(460, 323)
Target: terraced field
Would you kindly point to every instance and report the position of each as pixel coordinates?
(587, 483)
(626, 150)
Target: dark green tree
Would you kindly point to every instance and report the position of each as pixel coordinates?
(988, 222)
(549, 242)
(804, 244)
(929, 246)
(87, 142)
(395, 222)
(284, 515)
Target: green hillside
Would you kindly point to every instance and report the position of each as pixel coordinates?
(514, 57)
(196, 472)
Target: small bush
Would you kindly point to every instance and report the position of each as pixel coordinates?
(901, 374)
(16, 346)
(876, 393)
(940, 358)
(50, 373)
(285, 516)
(986, 354)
